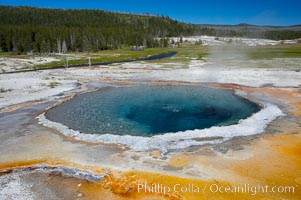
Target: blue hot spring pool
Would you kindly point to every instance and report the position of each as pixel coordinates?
(151, 110)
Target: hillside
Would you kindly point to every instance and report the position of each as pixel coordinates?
(249, 30)
(48, 30)
(29, 29)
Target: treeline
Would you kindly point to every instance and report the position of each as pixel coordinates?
(282, 35)
(25, 29)
(29, 29)
(253, 31)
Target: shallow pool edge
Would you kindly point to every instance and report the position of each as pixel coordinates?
(255, 124)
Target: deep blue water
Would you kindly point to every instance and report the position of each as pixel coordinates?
(151, 110)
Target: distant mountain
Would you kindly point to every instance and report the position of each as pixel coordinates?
(250, 27)
(24, 29)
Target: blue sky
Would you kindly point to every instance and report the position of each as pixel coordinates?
(260, 12)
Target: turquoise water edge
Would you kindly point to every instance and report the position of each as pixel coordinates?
(152, 110)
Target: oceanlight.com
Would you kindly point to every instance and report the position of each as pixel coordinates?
(214, 188)
(251, 189)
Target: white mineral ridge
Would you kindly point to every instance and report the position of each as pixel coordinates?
(31, 86)
(253, 125)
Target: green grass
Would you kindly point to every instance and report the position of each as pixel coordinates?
(252, 53)
(53, 84)
(104, 56)
(279, 51)
(183, 57)
(12, 55)
(194, 51)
